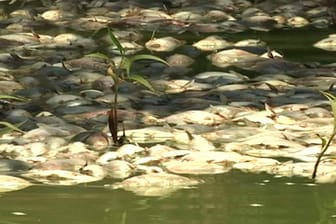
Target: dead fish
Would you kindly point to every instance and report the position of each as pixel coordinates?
(155, 184)
(186, 140)
(17, 115)
(257, 165)
(275, 66)
(195, 167)
(129, 47)
(259, 22)
(96, 139)
(187, 16)
(119, 169)
(194, 117)
(230, 57)
(9, 87)
(144, 13)
(220, 78)
(69, 40)
(52, 15)
(89, 173)
(10, 183)
(27, 38)
(90, 23)
(62, 99)
(272, 140)
(180, 60)
(212, 43)
(231, 26)
(328, 43)
(164, 44)
(128, 150)
(153, 134)
(182, 85)
(217, 16)
(250, 43)
(62, 164)
(297, 22)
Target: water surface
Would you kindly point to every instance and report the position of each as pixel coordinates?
(235, 197)
(227, 198)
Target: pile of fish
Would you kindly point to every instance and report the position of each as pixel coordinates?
(198, 122)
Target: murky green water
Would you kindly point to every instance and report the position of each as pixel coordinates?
(229, 198)
(296, 44)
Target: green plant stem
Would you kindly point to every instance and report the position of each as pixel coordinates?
(115, 110)
(324, 149)
(119, 73)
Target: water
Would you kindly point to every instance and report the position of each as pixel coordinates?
(233, 198)
(296, 44)
(227, 198)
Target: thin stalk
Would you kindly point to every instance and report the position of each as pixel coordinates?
(324, 149)
(114, 118)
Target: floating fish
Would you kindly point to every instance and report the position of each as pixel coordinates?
(328, 43)
(155, 184)
(212, 43)
(10, 183)
(164, 44)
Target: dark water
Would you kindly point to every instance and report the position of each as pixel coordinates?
(296, 44)
(227, 198)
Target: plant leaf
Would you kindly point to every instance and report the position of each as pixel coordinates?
(141, 80)
(111, 72)
(116, 42)
(10, 127)
(147, 57)
(332, 100)
(98, 32)
(323, 141)
(127, 62)
(12, 97)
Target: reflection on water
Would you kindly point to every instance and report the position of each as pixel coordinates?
(226, 198)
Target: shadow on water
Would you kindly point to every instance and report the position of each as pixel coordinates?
(227, 198)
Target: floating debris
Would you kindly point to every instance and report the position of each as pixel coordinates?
(195, 167)
(212, 43)
(250, 43)
(155, 184)
(89, 173)
(10, 183)
(164, 44)
(235, 57)
(119, 169)
(194, 117)
(242, 109)
(328, 43)
(180, 60)
(297, 22)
